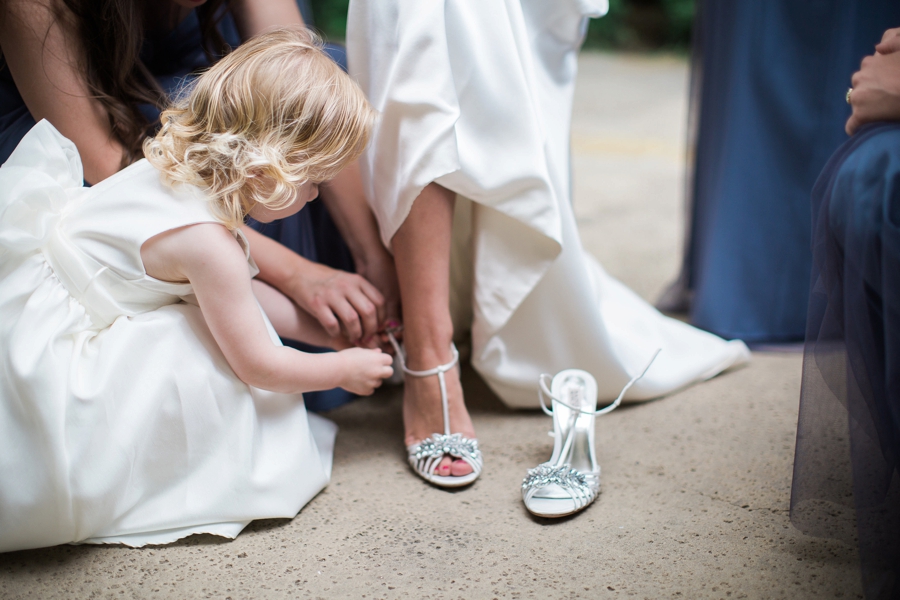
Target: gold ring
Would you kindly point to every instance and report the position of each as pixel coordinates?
(849, 91)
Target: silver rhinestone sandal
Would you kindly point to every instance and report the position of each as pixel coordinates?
(425, 456)
(570, 480)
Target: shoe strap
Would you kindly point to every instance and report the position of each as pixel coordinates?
(544, 390)
(438, 370)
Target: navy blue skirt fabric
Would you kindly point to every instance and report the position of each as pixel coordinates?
(847, 463)
(773, 76)
(174, 60)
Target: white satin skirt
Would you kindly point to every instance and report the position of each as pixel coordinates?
(477, 96)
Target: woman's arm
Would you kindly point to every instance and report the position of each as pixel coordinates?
(253, 17)
(344, 303)
(211, 259)
(344, 196)
(43, 58)
(292, 322)
(346, 201)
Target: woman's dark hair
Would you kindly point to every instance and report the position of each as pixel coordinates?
(112, 33)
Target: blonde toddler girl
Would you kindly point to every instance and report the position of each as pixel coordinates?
(144, 393)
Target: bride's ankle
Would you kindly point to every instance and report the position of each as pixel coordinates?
(427, 354)
(427, 341)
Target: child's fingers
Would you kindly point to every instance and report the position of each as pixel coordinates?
(374, 383)
(363, 387)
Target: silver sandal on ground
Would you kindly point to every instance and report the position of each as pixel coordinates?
(570, 480)
(425, 456)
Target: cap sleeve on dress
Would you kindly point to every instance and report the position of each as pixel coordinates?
(245, 245)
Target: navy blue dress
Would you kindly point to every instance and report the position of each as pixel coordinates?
(772, 79)
(172, 59)
(847, 461)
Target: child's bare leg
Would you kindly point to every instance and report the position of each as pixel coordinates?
(292, 322)
(422, 256)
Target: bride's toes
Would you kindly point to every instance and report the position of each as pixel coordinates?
(450, 467)
(459, 468)
(445, 467)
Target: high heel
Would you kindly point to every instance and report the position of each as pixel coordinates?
(570, 480)
(425, 456)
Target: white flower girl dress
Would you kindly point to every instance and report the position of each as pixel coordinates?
(120, 420)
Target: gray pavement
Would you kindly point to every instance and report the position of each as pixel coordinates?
(695, 486)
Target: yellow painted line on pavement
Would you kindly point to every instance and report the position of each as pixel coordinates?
(621, 146)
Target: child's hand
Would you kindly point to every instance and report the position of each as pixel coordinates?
(365, 370)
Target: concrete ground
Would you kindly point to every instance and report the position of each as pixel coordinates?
(695, 486)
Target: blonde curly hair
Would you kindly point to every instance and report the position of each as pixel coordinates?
(273, 114)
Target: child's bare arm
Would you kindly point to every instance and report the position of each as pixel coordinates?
(211, 259)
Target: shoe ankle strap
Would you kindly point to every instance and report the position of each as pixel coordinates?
(544, 390)
(436, 370)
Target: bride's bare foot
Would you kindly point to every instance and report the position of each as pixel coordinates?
(423, 412)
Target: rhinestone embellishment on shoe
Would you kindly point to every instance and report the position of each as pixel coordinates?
(440, 444)
(581, 487)
(564, 476)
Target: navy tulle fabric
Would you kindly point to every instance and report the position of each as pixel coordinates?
(173, 60)
(846, 479)
(772, 79)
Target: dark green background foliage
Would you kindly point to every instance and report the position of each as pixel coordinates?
(643, 25)
(331, 17)
(630, 24)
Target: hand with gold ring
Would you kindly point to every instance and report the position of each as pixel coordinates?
(875, 91)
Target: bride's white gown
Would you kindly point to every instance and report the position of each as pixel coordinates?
(477, 96)
(120, 420)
